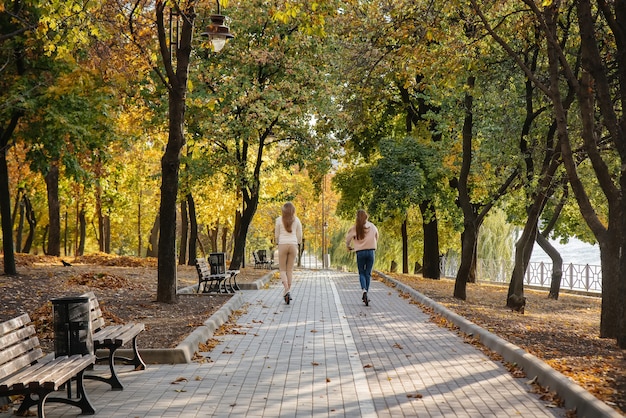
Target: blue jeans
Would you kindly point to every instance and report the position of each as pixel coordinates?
(365, 263)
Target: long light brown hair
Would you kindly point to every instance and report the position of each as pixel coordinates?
(289, 214)
(361, 219)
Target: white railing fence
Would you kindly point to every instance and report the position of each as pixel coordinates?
(576, 277)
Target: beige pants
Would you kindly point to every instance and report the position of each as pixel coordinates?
(287, 254)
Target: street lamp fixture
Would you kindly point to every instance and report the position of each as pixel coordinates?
(217, 32)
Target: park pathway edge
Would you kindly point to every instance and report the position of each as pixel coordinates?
(574, 396)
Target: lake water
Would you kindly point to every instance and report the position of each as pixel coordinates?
(574, 252)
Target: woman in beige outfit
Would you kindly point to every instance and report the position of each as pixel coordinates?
(288, 236)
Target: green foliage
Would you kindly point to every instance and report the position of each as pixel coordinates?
(275, 103)
(356, 189)
(399, 178)
(304, 89)
(496, 237)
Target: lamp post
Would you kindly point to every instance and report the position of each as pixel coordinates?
(325, 260)
(217, 32)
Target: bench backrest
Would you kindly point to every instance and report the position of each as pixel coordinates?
(95, 313)
(19, 345)
(201, 264)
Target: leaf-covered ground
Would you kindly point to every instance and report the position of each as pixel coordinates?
(126, 291)
(564, 332)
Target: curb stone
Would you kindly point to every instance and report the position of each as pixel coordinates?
(574, 396)
(190, 344)
(183, 353)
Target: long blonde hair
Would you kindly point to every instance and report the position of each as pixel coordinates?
(289, 215)
(361, 219)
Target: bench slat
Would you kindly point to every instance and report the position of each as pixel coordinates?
(18, 356)
(60, 372)
(13, 324)
(34, 373)
(11, 352)
(27, 370)
(104, 333)
(126, 334)
(95, 313)
(119, 334)
(16, 336)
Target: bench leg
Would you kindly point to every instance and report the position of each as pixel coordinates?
(43, 396)
(28, 402)
(235, 286)
(82, 401)
(137, 360)
(112, 380)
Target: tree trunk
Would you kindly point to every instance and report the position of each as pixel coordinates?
(20, 221)
(242, 223)
(99, 216)
(468, 238)
(193, 230)
(5, 210)
(32, 224)
(225, 239)
(611, 301)
(431, 268)
(470, 233)
(405, 246)
(166, 288)
(45, 239)
(107, 234)
(473, 213)
(523, 249)
(54, 212)
(184, 227)
(524, 246)
(170, 162)
(416, 113)
(5, 192)
(557, 266)
(139, 234)
(153, 245)
(65, 234)
(82, 235)
(213, 234)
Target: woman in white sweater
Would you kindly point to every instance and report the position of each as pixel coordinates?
(362, 237)
(288, 235)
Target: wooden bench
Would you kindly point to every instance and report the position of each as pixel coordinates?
(260, 259)
(25, 370)
(111, 338)
(213, 276)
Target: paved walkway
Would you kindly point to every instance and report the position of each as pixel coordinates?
(325, 354)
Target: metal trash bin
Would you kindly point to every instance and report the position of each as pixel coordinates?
(217, 262)
(72, 326)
